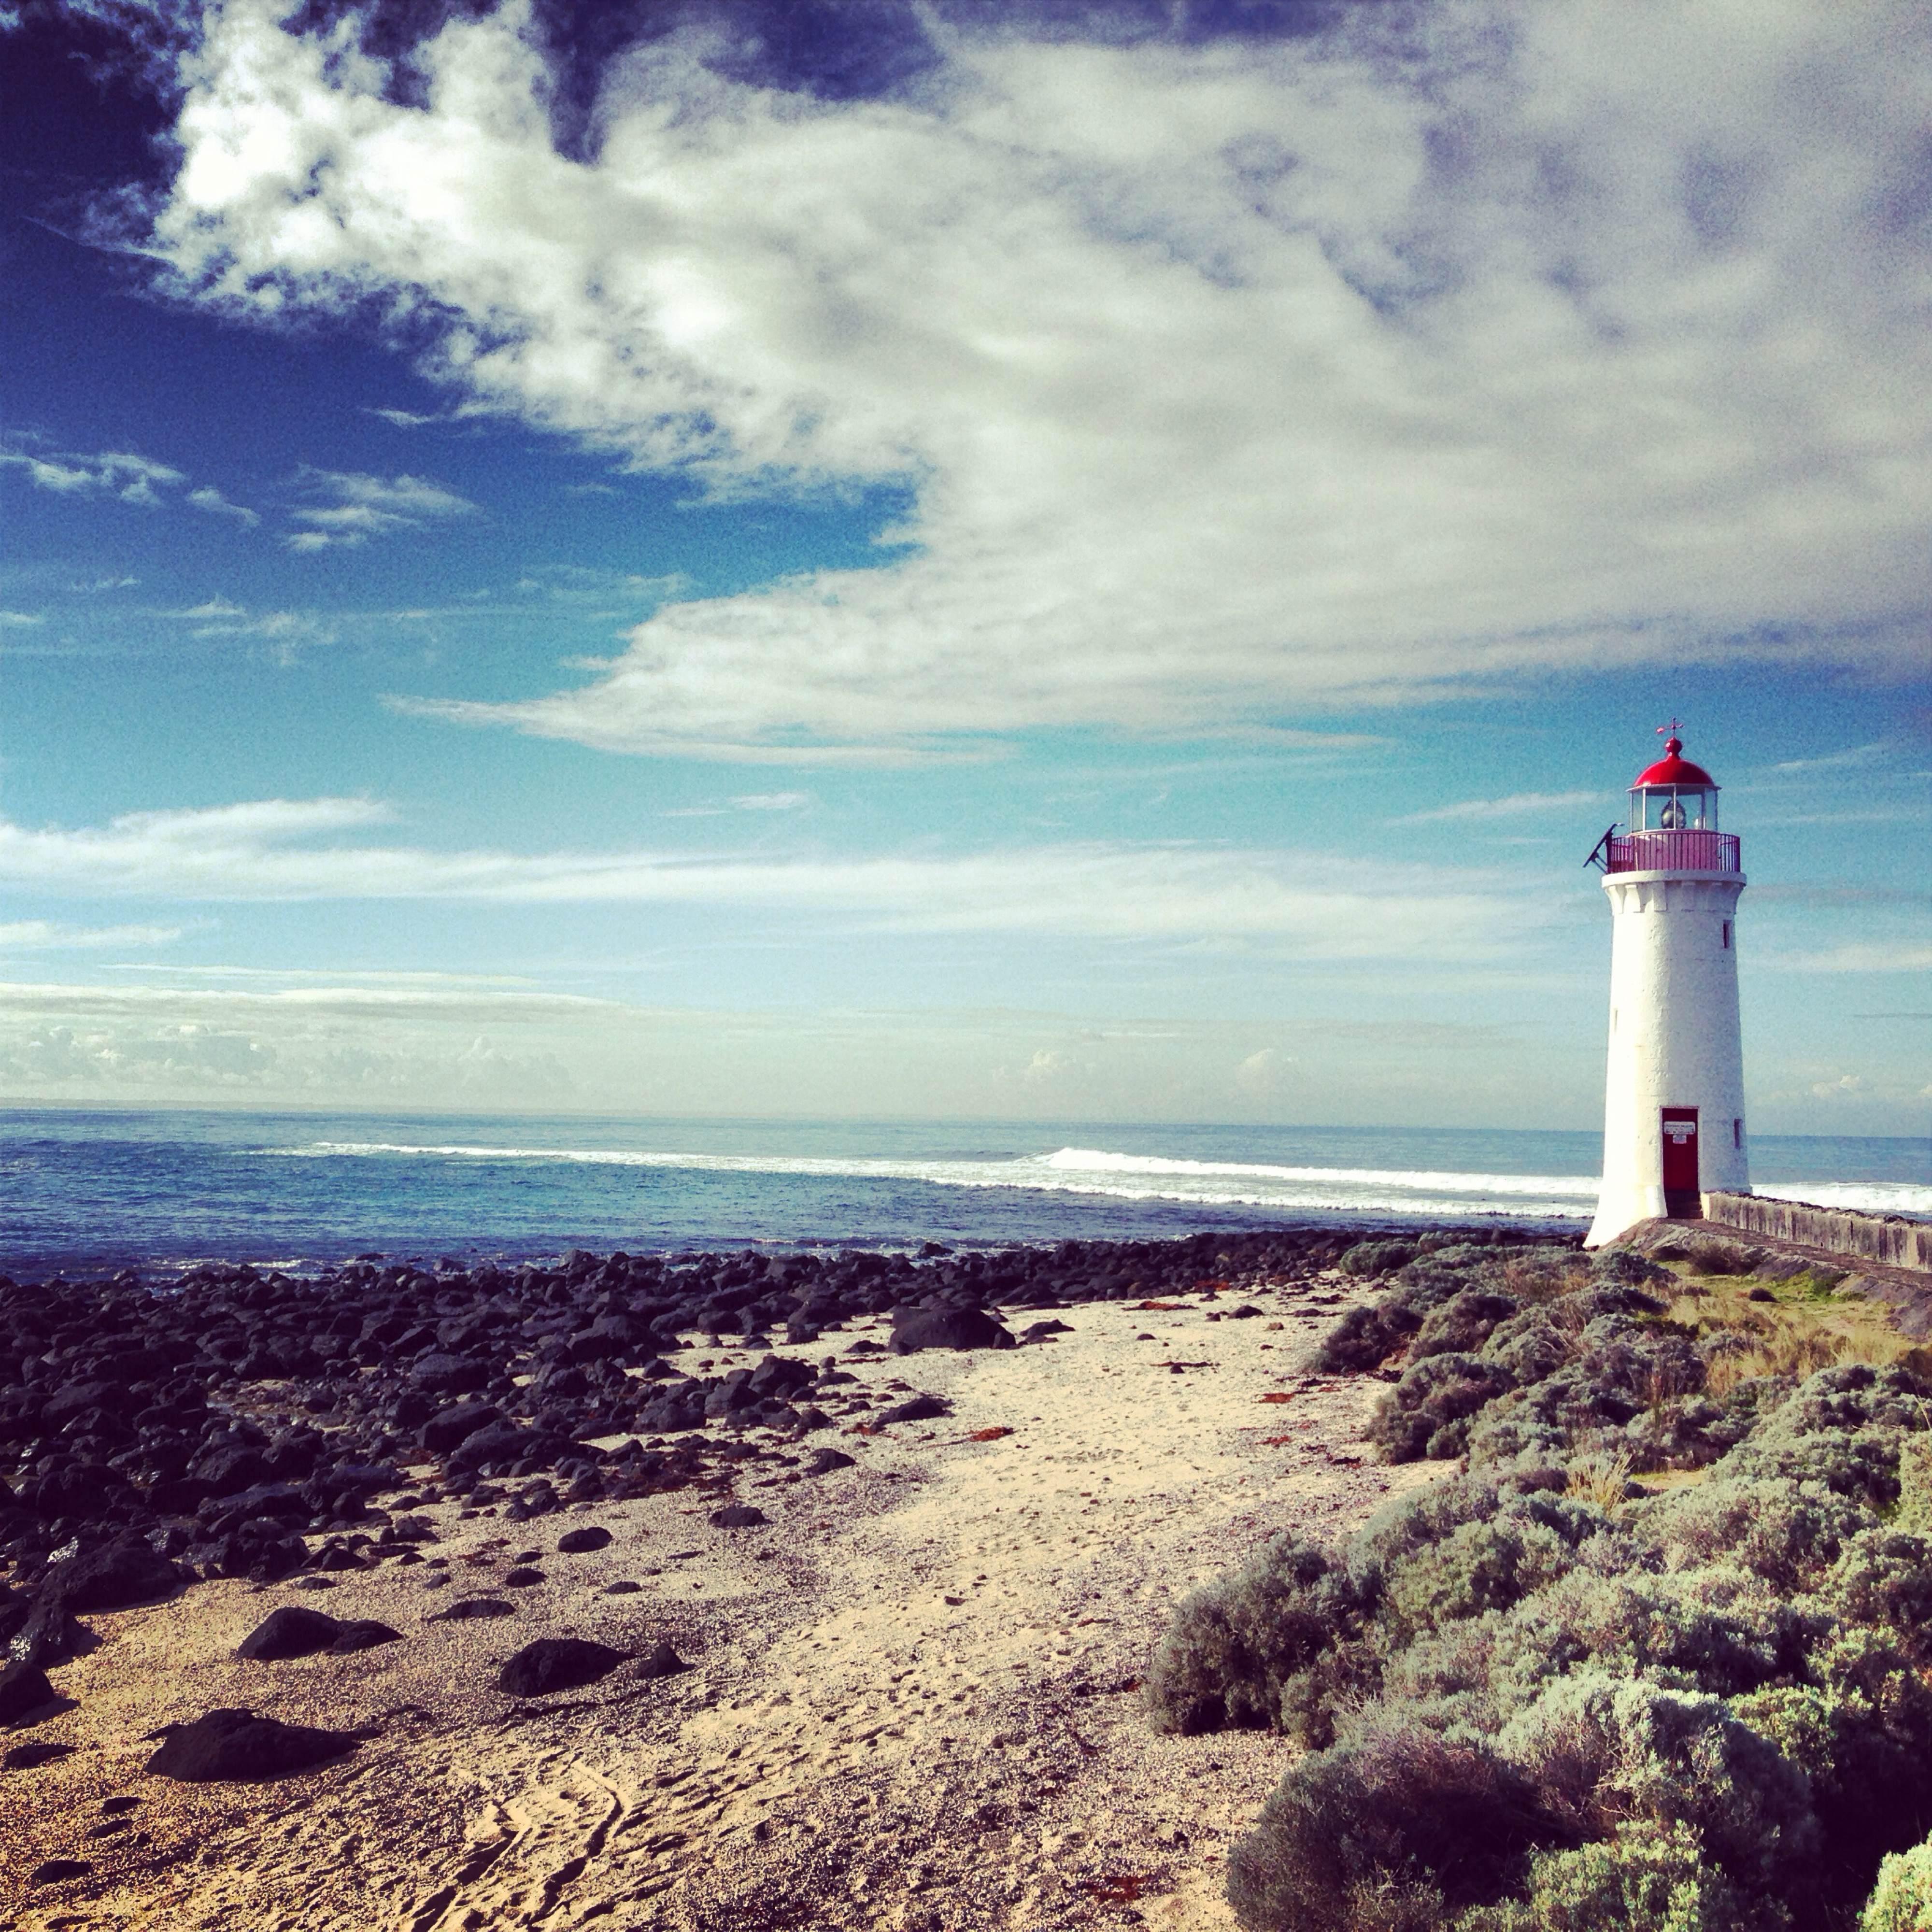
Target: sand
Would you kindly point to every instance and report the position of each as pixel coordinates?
(913, 1700)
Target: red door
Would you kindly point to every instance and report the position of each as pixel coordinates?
(1681, 1200)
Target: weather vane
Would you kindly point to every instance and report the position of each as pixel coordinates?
(1668, 730)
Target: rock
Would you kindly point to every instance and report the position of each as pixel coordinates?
(949, 1328)
(29, 1757)
(823, 1462)
(113, 1575)
(450, 1427)
(231, 1744)
(523, 1577)
(290, 1631)
(54, 1870)
(49, 1635)
(23, 1688)
(553, 1663)
(917, 1408)
(739, 1516)
(662, 1661)
(465, 1608)
(1039, 1331)
(581, 1542)
(450, 1374)
(623, 1587)
(362, 1633)
(1243, 1313)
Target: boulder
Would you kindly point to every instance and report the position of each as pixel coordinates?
(290, 1631)
(231, 1744)
(739, 1516)
(581, 1542)
(452, 1426)
(917, 1408)
(112, 1576)
(23, 1688)
(553, 1663)
(949, 1328)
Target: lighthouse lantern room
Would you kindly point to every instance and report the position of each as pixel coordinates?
(1673, 1105)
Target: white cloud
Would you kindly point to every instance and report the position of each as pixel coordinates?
(133, 479)
(1316, 906)
(773, 801)
(352, 507)
(117, 473)
(1521, 804)
(1881, 955)
(212, 500)
(1846, 1085)
(19, 620)
(1262, 1075)
(22, 935)
(1230, 377)
(403, 418)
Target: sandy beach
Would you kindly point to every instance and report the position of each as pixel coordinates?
(912, 1698)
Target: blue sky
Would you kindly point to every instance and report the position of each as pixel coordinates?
(1054, 563)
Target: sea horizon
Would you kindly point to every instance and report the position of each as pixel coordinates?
(95, 1189)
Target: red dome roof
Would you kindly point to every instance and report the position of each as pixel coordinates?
(1672, 769)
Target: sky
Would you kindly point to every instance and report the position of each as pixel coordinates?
(906, 557)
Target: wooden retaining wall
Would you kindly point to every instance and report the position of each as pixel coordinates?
(1872, 1237)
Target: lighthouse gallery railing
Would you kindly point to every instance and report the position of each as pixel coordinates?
(1686, 851)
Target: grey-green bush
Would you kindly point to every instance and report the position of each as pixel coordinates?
(1704, 1710)
(1901, 1901)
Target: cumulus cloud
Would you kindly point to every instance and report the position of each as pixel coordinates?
(210, 499)
(349, 508)
(1228, 376)
(1307, 905)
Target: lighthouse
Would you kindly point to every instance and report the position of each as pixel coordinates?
(1674, 1101)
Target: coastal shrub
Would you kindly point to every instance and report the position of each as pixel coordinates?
(1426, 1413)
(1366, 1337)
(1373, 1257)
(1232, 1645)
(1699, 1704)
(1462, 1323)
(1901, 1901)
(1645, 1878)
(1391, 1830)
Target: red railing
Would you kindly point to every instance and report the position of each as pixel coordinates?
(1672, 852)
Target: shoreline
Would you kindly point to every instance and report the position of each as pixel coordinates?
(911, 1692)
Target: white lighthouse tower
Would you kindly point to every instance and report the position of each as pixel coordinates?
(1674, 1103)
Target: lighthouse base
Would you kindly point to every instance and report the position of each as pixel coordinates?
(1618, 1208)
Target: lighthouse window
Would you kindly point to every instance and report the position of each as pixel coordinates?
(1737, 1133)
(1727, 935)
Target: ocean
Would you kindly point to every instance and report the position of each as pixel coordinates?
(83, 1192)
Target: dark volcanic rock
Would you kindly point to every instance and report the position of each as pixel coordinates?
(465, 1608)
(917, 1408)
(739, 1516)
(949, 1328)
(663, 1661)
(362, 1634)
(290, 1631)
(30, 1757)
(823, 1462)
(230, 1744)
(113, 1575)
(581, 1542)
(449, 1427)
(523, 1577)
(553, 1663)
(23, 1688)
(54, 1870)
(450, 1374)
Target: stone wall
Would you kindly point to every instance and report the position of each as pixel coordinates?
(1872, 1237)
